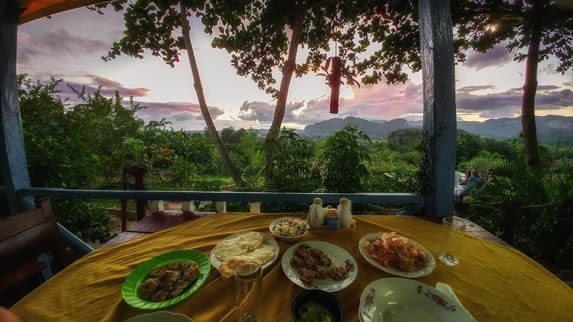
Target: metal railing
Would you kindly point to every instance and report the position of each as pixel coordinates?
(413, 200)
(394, 198)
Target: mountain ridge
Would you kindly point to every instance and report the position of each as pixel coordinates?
(550, 128)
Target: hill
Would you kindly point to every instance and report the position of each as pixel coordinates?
(550, 129)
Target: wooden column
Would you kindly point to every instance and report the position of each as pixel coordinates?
(12, 152)
(437, 52)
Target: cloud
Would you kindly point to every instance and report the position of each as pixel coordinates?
(369, 102)
(263, 112)
(107, 87)
(505, 104)
(547, 87)
(111, 85)
(176, 111)
(496, 56)
(102, 81)
(184, 116)
(56, 43)
(469, 89)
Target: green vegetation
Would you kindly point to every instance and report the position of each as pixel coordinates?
(344, 161)
(86, 145)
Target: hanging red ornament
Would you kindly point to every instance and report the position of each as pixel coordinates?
(335, 70)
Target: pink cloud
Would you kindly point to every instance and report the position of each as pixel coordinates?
(176, 111)
(371, 102)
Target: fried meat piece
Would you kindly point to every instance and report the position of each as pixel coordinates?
(148, 287)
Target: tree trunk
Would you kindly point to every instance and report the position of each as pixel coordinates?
(229, 165)
(288, 71)
(528, 102)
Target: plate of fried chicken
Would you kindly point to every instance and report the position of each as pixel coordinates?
(319, 265)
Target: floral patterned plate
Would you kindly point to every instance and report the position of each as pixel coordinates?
(428, 267)
(339, 257)
(405, 300)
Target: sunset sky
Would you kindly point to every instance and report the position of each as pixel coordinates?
(69, 46)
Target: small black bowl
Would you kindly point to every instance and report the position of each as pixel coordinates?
(323, 298)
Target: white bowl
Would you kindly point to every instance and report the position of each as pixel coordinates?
(405, 300)
(289, 239)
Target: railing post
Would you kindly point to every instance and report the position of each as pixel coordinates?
(156, 206)
(437, 53)
(221, 206)
(187, 206)
(12, 152)
(255, 207)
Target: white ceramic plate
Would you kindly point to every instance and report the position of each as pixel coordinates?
(423, 271)
(267, 240)
(339, 257)
(163, 316)
(398, 299)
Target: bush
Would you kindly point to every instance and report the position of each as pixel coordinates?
(293, 164)
(530, 212)
(83, 219)
(344, 161)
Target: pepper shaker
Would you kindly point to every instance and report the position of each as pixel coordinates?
(344, 213)
(315, 214)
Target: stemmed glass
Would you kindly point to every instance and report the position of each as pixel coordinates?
(249, 291)
(451, 243)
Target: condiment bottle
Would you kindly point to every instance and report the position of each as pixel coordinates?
(315, 214)
(344, 213)
(330, 214)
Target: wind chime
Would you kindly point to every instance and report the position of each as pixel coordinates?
(335, 70)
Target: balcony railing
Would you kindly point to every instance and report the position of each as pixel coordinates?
(412, 200)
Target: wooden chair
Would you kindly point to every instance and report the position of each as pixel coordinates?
(23, 238)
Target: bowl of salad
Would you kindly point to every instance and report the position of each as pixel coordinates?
(289, 229)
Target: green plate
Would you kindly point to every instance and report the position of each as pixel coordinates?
(138, 275)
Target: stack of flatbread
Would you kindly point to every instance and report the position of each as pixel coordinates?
(247, 247)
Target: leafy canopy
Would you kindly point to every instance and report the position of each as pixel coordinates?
(152, 25)
(483, 24)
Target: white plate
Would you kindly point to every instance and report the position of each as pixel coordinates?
(398, 299)
(267, 240)
(163, 316)
(339, 257)
(422, 271)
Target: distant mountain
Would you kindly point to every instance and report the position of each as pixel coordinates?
(550, 129)
(374, 129)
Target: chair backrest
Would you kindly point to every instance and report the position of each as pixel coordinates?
(27, 235)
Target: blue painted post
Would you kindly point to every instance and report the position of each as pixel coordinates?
(12, 152)
(437, 53)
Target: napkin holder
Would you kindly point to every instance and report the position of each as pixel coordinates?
(333, 225)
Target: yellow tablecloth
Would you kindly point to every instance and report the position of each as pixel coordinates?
(494, 282)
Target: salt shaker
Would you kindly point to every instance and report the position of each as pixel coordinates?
(315, 214)
(344, 213)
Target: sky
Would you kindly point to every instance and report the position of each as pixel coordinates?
(69, 46)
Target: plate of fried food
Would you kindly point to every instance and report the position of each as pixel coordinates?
(319, 265)
(244, 247)
(397, 255)
(166, 280)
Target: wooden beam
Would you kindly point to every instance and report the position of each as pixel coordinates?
(12, 152)
(437, 53)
